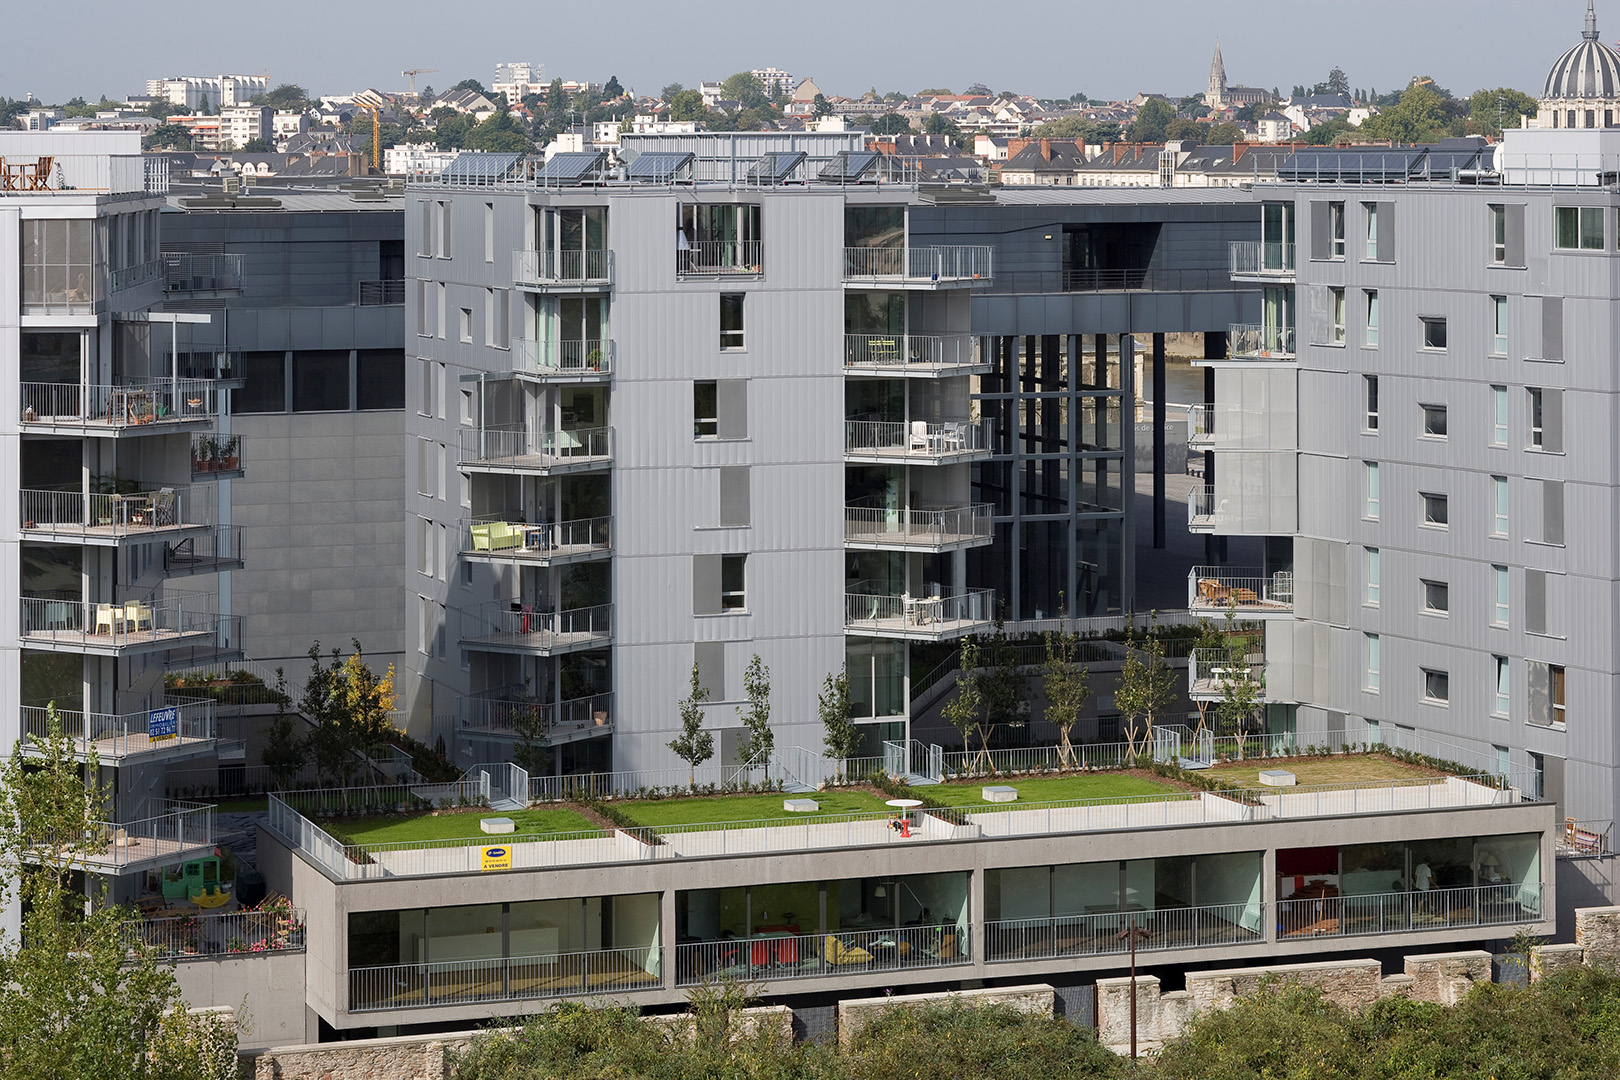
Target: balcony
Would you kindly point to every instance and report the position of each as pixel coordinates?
(73, 517)
(185, 274)
(516, 449)
(216, 548)
(1255, 342)
(916, 267)
(506, 627)
(1242, 513)
(495, 538)
(720, 258)
(388, 292)
(585, 361)
(1256, 261)
(1200, 426)
(134, 276)
(788, 956)
(955, 528)
(517, 978)
(1210, 672)
(941, 617)
(912, 355)
(563, 271)
(117, 629)
(1245, 593)
(505, 714)
(147, 735)
(1056, 937)
(87, 174)
(919, 442)
(1405, 912)
(216, 457)
(131, 407)
(169, 832)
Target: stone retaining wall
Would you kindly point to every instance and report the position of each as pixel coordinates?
(855, 1014)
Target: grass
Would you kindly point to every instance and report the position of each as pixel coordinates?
(1339, 769)
(1035, 789)
(458, 825)
(697, 811)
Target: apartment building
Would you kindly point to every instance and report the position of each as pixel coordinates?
(208, 92)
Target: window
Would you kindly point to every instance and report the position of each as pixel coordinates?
(264, 375)
(380, 379)
(424, 470)
(1336, 229)
(1371, 210)
(1546, 419)
(734, 496)
(1578, 228)
(1499, 506)
(1434, 421)
(1436, 686)
(1370, 510)
(720, 409)
(705, 409)
(1535, 601)
(1370, 679)
(1436, 512)
(1499, 235)
(1552, 512)
(1436, 597)
(464, 324)
(1434, 332)
(1373, 571)
(1499, 326)
(425, 248)
(1499, 417)
(1500, 586)
(1537, 432)
(1338, 316)
(1372, 318)
(1500, 705)
(489, 232)
(446, 235)
(733, 583)
(1369, 401)
(1555, 682)
(731, 320)
(424, 308)
(424, 540)
(498, 318)
(425, 405)
(321, 380)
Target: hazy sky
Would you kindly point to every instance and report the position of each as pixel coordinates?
(1049, 48)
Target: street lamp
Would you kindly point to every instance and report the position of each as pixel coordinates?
(1131, 933)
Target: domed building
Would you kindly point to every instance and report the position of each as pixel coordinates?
(1583, 86)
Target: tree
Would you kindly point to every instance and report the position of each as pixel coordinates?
(1151, 119)
(822, 106)
(1421, 116)
(611, 89)
(285, 751)
(756, 715)
(256, 146)
(1338, 82)
(80, 996)
(694, 745)
(843, 735)
(501, 133)
(745, 89)
(352, 709)
(1185, 130)
(1065, 127)
(965, 710)
(891, 123)
(1006, 688)
(687, 105)
(288, 97)
(1147, 687)
(470, 84)
(668, 93)
(1067, 684)
(1242, 695)
(977, 89)
(556, 99)
(1328, 132)
(1222, 135)
(1489, 111)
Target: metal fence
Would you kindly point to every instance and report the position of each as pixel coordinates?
(523, 447)
(925, 528)
(1256, 341)
(385, 292)
(696, 258)
(946, 613)
(169, 830)
(116, 736)
(785, 955)
(1100, 933)
(519, 978)
(911, 352)
(1170, 279)
(215, 272)
(1253, 258)
(134, 275)
(129, 403)
(590, 356)
(496, 623)
(77, 513)
(503, 535)
(955, 262)
(551, 267)
(211, 934)
(1239, 589)
(1401, 912)
(511, 717)
(116, 625)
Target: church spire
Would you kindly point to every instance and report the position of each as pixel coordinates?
(1217, 80)
(1590, 34)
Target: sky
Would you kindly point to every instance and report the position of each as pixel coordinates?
(1108, 49)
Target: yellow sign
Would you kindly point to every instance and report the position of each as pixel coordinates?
(496, 858)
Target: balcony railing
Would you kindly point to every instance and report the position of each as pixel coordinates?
(77, 516)
(1253, 259)
(501, 537)
(218, 548)
(74, 625)
(1200, 425)
(216, 456)
(522, 448)
(905, 354)
(1245, 591)
(505, 626)
(1256, 341)
(819, 956)
(1098, 933)
(720, 257)
(882, 527)
(518, 978)
(111, 174)
(1404, 912)
(134, 275)
(130, 403)
(1157, 279)
(184, 272)
(576, 359)
(917, 439)
(115, 737)
(566, 269)
(932, 265)
(384, 293)
(1247, 512)
(168, 832)
(223, 933)
(505, 714)
(946, 614)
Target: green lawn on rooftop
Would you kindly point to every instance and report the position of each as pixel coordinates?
(458, 825)
(1037, 789)
(697, 811)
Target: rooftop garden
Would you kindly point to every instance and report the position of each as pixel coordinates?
(459, 825)
(1369, 768)
(1037, 789)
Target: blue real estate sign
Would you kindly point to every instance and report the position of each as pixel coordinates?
(163, 724)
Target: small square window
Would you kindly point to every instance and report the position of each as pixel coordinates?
(1436, 511)
(1369, 402)
(731, 320)
(1434, 421)
(733, 583)
(1434, 332)
(705, 409)
(1436, 597)
(1436, 686)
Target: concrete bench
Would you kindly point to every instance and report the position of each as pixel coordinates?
(998, 793)
(1276, 778)
(497, 826)
(800, 806)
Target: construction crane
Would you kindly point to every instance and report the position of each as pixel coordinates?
(413, 73)
(376, 135)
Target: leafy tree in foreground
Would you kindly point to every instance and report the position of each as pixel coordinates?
(843, 735)
(1147, 687)
(1067, 683)
(756, 715)
(965, 712)
(694, 745)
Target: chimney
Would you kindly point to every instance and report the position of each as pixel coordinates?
(1046, 149)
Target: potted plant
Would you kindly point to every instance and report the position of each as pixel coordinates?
(593, 359)
(202, 454)
(227, 453)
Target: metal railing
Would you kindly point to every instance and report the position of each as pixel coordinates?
(1252, 258)
(1189, 279)
(1098, 932)
(111, 174)
(1577, 838)
(117, 736)
(499, 535)
(496, 623)
(116, 625)
(948, 612)
(1201, 507)
(919, 528)
(1211, 671)
(592, 356)
(509, 716)
(957, 262)
(222, 933)
(592, 268)
(911, 352)
(701, 257)
(1403, 912)
(1225, 588)
(77, 514)
(383, 798)
(1200, 425)
(134, 275)
(130, 403)
(1257, 341)
(215, 454)
(917, 439)
(522, 447)
(813, 956)
(518, 978)
(383, 293)
(174, 829)
(219, 546)
(184, 272)
(1028, 759)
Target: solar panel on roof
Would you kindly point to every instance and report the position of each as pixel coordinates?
(572, 166)
(776, 166)
(660, 166)
(474, 165)
(1381, 165)
(850, 165)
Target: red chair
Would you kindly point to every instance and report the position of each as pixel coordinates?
(759, 953)
(787, 951)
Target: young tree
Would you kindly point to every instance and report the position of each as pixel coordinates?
(1067, 684)
(1241, 696)
(1147, 687)
(352, 709)
(756, 715)
(285, 751)
(1006, 688)
(1210, 644)
(966, 711)
(694, 745)
(843, 735)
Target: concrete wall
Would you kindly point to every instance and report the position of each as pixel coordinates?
(267, 991)
(855, 1014)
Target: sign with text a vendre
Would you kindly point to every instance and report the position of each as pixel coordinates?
(162, 724)
(496, 858)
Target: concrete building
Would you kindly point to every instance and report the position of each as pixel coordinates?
(241, 124)
(208, 92)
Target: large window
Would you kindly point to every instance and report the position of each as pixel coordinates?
(60, 267)
(718, 239)
(380, 379)
(264, 389)
(321, 381)
(1578, 228)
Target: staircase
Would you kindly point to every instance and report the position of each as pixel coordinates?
(913, 762)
